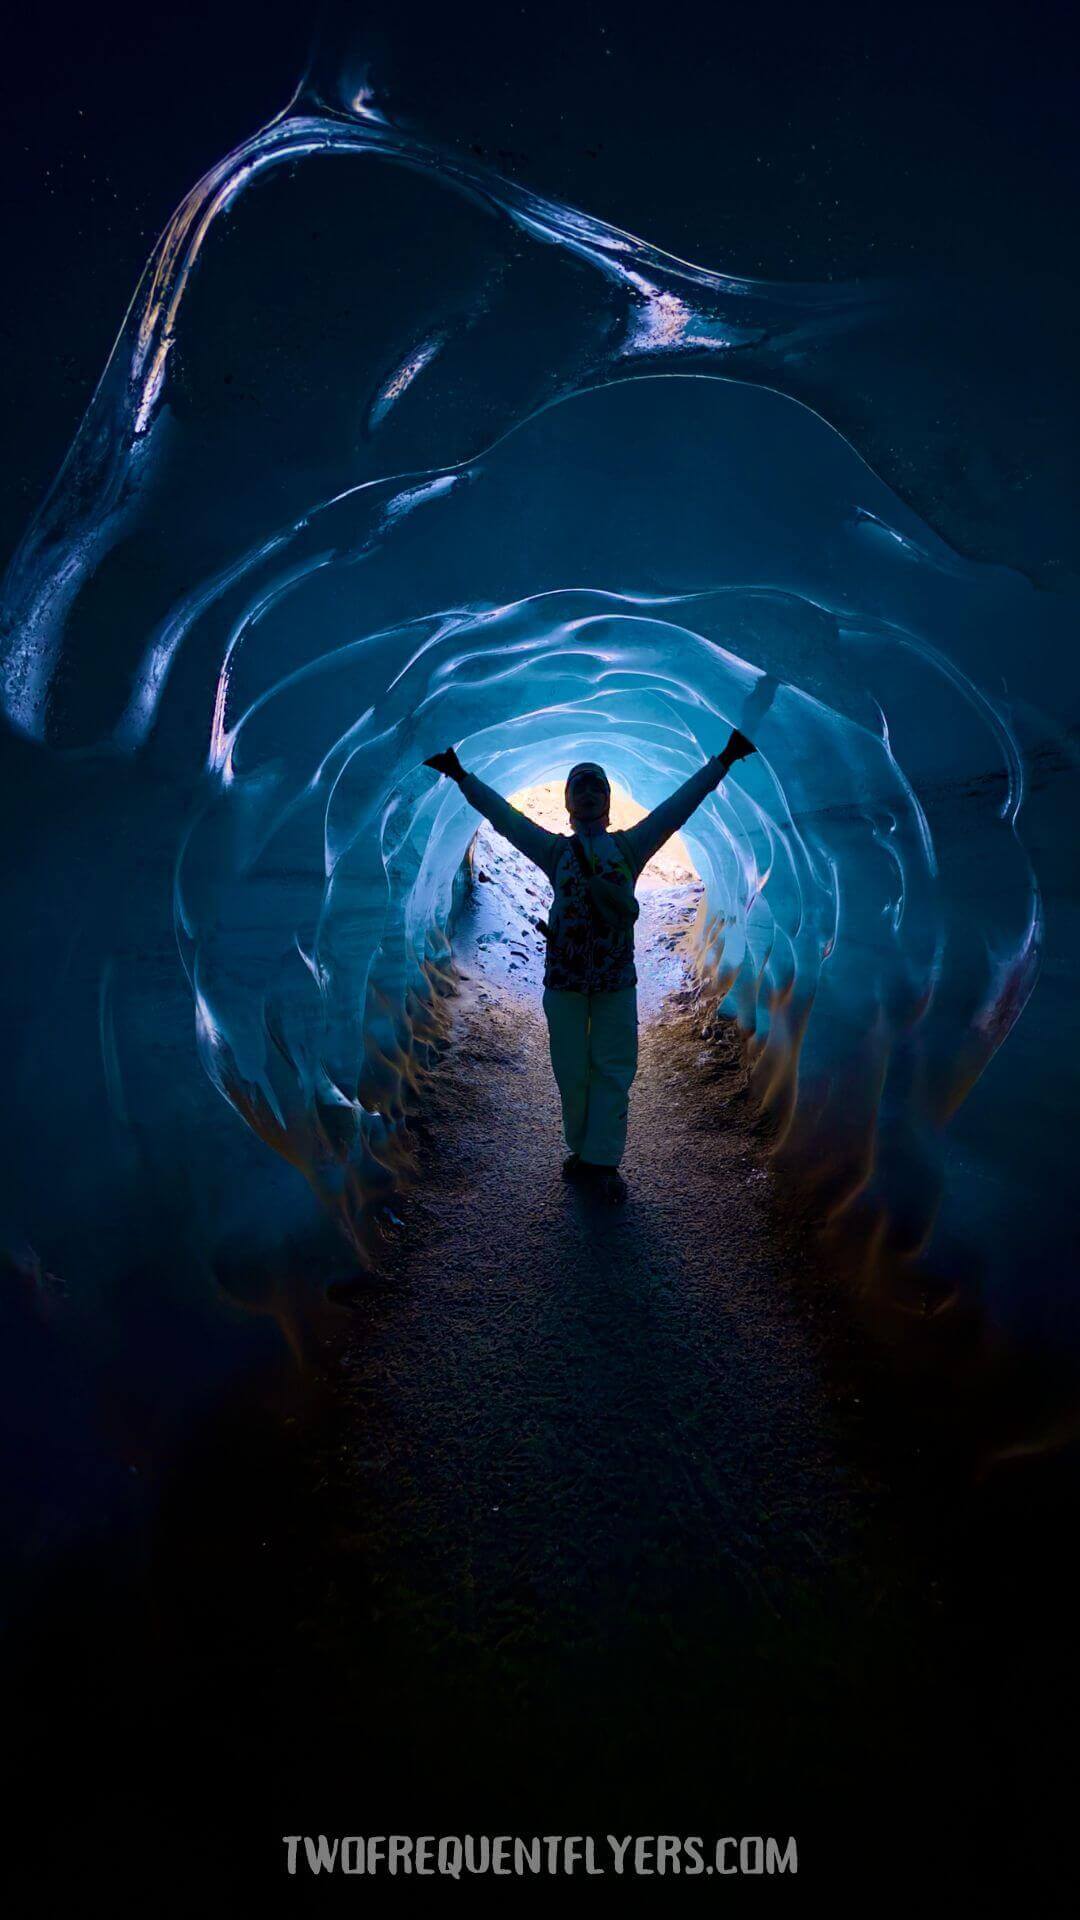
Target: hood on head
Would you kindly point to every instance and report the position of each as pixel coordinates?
(585, 766)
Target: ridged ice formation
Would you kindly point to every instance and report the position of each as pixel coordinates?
(392, 454)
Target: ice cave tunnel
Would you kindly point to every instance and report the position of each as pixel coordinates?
(393, 454)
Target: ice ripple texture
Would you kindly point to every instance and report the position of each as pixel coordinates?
(392, 453)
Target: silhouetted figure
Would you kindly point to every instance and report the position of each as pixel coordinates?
(590, 980)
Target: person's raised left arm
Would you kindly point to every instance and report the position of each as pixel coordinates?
(649, 835)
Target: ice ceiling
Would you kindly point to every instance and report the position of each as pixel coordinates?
(393, 454)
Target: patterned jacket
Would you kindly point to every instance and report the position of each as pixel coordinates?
(585, 955)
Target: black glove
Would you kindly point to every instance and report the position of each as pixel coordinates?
(447, 763)
(738, 748)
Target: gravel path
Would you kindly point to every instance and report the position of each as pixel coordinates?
(629, 1551)
(605, 1521)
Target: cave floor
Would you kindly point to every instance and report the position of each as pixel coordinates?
(604, 1521)
(615, 1538)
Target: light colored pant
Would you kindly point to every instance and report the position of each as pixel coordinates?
(594, 1050)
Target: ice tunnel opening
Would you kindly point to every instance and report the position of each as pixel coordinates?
(321, 998)
(869, 915)
(493, 474)
(842, 922)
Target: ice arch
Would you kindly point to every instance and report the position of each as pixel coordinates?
(501, 475)
(781, 587)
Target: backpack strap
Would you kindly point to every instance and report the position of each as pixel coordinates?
(582, 857)
(585, 864)
(631, 874)
(621, 844)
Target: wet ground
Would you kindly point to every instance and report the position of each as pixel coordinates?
(602, 1521)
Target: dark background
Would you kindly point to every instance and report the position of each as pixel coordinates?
(794, 142)
(782, 141)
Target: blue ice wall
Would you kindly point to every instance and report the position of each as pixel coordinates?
(392, 454)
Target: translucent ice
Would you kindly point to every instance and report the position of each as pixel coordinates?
(392, 454)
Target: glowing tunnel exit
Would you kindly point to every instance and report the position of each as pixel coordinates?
(671, 866)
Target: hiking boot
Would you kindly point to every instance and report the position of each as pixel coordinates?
(573, 1167)
(610, 1186)
(606, 1182)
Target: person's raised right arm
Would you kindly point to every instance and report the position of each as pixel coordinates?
(649, 834)
(528, 836)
